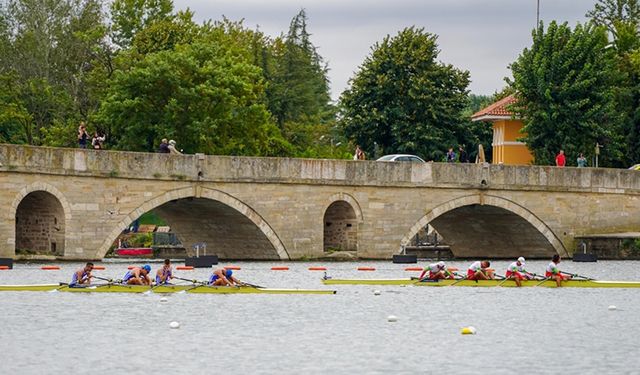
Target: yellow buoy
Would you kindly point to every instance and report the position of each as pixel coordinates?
(468, 331)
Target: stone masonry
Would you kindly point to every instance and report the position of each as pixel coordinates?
(276, 208)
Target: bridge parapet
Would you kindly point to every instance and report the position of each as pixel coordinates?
(208, 168)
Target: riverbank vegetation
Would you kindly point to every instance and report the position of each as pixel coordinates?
(138, 71)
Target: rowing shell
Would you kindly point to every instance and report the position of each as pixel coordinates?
(486, 283)
(117, 288)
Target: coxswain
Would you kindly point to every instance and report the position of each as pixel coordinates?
(222, 276)
(553, 273)
(82, 276)
(164, 274)
(138, 276)
(480, 271)
(436, 271)
(516, 272)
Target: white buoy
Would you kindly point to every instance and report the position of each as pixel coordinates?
(468, 330)
(376, 292)
(174, 325)
(612, 307)
(164, 299)
(392, 318)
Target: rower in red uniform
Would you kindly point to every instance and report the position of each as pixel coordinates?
(516, 272)
(436, 271)
(553, 273)
(479, 271)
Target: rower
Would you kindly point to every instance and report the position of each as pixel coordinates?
(554, 273)
(138, 276)
(82, 276)
(436, 271)
(516, 272)
(480, 271)
(164, 274)
(222, 276)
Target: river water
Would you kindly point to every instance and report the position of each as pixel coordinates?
(528, 330)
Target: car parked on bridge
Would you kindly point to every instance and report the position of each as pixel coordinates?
(401, 157)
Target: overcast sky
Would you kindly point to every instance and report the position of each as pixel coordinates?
(481, 36)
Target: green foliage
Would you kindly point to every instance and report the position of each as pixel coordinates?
(200, 94)
(565, 85)
(609, 12)
(405, 101)
(151, 218)
(132, 16)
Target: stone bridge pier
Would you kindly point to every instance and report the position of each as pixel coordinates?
(73, 204)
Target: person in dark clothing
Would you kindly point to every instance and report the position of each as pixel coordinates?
(83, 136)
(463, 157)
(164, 147)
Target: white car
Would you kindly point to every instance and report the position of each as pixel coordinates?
(401, 157)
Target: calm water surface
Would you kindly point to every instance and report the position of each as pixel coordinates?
(536, 331)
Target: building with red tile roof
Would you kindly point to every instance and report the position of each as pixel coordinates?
(507, 130)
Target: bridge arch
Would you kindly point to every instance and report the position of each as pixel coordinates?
(341, 218)
(40, 206)
(488, 200)
(198, 192)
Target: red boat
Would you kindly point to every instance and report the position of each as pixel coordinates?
(135, 252)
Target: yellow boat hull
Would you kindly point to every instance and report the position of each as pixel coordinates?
(117, 288)
(486, 283)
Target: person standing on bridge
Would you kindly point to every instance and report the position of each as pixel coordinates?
(83, 136)
(138, 276)
(164, 146)
(82, 276)
(561, 160)
(173, 149)
(582, 161)
(553, 273)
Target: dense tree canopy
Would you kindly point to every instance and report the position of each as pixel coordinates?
(565, 88)
(403, 100)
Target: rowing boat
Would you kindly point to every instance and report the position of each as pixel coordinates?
(119, 288)
(486, 283)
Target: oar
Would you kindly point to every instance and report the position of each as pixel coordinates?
(576, 275)
(102, 278)
(252, 285)
(62, 285)
(194, 281)
(541, 282)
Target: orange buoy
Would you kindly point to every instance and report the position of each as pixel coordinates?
(185, 268)
(4, 268)
(279, 268)
(366, 269)
(413, 269)
(235, 268)
(131, 267)
(317, 268)
(49, 268)
(452, 269)
(101, 268)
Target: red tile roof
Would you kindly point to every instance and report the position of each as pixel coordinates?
(496, 110)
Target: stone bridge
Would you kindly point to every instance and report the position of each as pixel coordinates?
(73, 204)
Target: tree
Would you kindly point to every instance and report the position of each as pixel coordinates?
(565, 86)
(405, 101)
(131, 16)
(207, 98)
(47, 50)
(609, 12)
